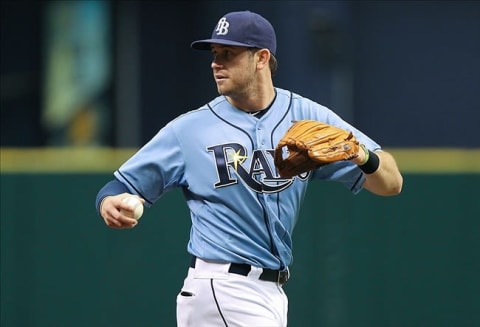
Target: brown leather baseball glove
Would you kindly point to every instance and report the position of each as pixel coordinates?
(309, 144)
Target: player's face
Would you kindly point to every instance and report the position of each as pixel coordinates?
(234, 70)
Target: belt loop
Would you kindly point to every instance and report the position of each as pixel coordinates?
(193, 261)
(283, 277)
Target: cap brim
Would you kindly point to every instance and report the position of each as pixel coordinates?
(206, 44)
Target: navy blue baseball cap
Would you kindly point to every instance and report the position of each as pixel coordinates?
(241, 28)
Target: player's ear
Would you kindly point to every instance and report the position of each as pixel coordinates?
(262, 58)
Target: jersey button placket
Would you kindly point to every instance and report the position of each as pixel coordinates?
(260, 141)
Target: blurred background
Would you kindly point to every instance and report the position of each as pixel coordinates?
(85, 83)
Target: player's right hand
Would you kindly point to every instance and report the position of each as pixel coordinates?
(111, 212)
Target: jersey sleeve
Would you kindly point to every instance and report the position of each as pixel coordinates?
(156, 168)
(344, 172)
(362, 138)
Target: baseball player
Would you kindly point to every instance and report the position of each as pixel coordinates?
(222, 157)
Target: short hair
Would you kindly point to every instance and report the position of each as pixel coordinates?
(273, 64)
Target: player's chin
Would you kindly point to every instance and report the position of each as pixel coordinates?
(222, 88)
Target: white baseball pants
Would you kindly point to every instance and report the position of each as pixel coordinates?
(211, 296)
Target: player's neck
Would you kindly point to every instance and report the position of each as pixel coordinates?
(254, 102)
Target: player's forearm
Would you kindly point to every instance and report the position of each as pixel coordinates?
(386, 180)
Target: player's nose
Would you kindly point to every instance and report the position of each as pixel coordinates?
(214, 65)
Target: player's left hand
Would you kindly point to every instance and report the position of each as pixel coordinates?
(309, 144)
(111, 212)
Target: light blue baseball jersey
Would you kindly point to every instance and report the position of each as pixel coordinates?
(222, 159)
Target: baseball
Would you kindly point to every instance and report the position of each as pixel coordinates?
(135, 203)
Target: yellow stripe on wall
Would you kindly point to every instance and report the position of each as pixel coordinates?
(437, 160)
(43, 160)
(100, 160)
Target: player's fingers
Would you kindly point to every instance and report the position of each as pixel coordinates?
(112, 221)
(125, 220)
(125, 216)
(111, 211)
(121, 223)
(128, 222)
(114, 218)
(122, 226)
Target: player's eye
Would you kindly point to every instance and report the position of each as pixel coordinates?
(222, 55)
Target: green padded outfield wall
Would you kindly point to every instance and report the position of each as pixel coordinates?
(363, 261)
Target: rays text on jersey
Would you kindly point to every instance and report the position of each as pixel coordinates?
(257, 171)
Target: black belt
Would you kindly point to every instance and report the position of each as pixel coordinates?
(269, 275)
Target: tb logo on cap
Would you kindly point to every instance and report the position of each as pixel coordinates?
(222, 26)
